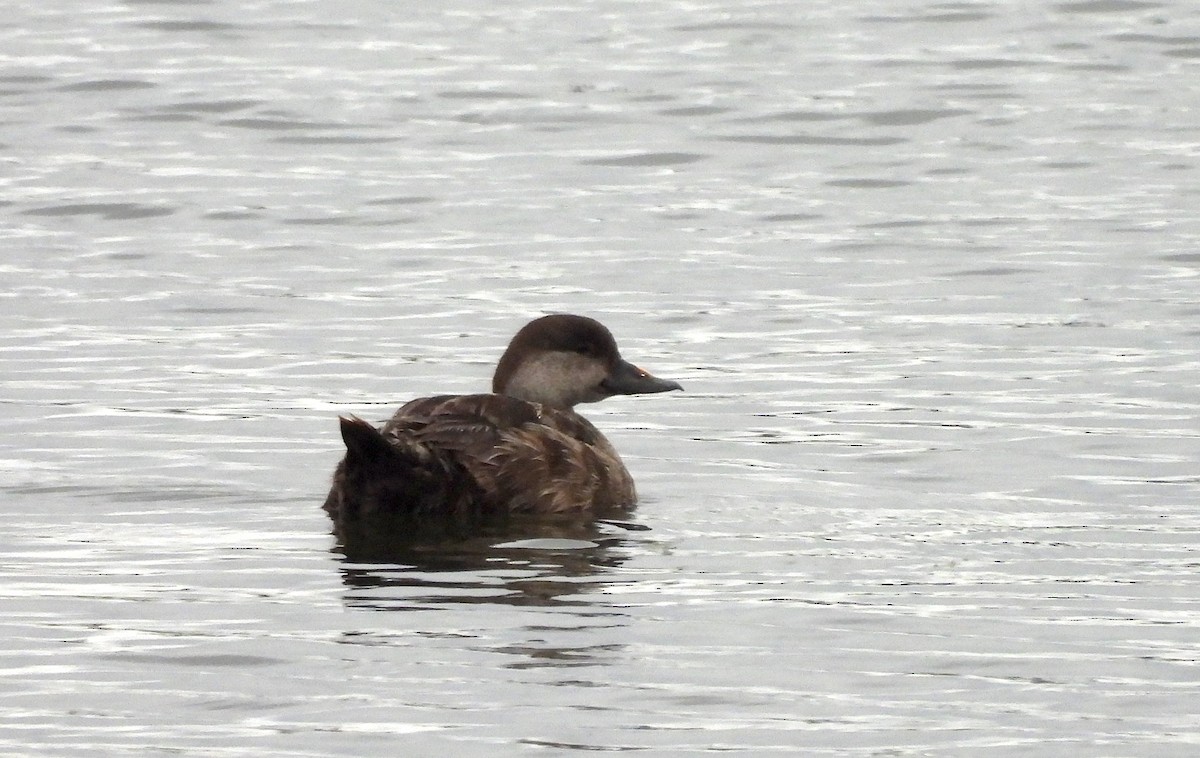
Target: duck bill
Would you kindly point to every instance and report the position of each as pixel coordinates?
(628, 379)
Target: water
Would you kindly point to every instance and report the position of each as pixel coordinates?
(927, 272)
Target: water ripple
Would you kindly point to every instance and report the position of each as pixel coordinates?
(927, 273)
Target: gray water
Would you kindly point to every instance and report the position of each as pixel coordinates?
(928, 272)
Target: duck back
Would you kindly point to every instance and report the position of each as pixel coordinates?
(477, 458)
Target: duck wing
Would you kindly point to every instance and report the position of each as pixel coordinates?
(522, 457)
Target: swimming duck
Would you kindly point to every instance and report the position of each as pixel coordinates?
(522, 450)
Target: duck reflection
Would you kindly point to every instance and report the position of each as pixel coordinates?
(532, 564)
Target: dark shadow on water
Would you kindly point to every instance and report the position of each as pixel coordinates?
(393, 568)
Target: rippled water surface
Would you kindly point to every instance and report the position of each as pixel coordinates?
(929, 273)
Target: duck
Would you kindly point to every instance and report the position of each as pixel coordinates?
(521, 450)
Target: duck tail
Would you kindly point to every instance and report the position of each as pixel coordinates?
(388, 477)
(364, 443)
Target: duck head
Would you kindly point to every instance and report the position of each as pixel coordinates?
(562, 360)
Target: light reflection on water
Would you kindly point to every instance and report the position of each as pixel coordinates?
(928, 275)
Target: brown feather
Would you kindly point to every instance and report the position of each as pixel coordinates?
(487, 454)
